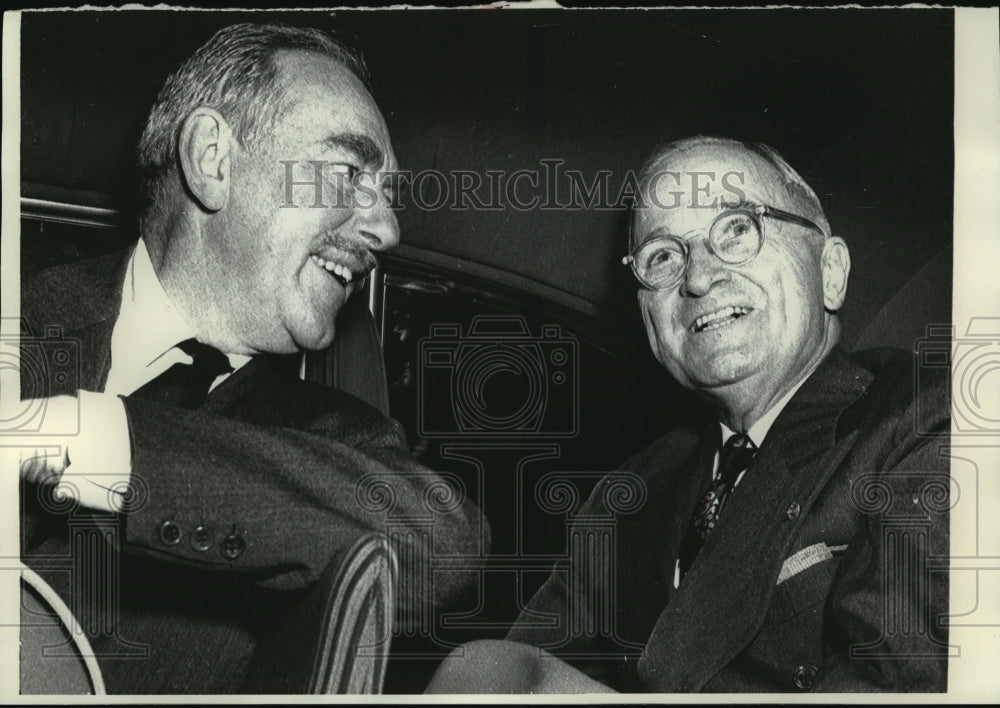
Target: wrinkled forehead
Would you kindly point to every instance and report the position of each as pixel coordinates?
(686, 188)
(312, 80)
(695, 177)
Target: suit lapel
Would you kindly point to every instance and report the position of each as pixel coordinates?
(83, 300)
(722, 601)
(266, 384)
(101, 287)
(685, 488)
(95, 353)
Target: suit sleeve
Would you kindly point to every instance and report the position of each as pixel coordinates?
(889, 602)
(569, 616)
(290, 498)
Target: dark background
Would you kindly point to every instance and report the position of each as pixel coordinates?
(859, 101)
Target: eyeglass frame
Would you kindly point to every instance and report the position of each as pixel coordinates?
(758, 211)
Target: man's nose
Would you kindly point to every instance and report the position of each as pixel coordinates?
(703, 270)
(377, 221)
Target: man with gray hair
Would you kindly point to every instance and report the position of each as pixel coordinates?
(794, 542)
(228, 482)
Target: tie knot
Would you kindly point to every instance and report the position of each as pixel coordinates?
(206, 358)
(736, 456)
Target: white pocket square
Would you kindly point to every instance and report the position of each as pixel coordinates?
(808, 556)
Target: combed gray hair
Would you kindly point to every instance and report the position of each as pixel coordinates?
(797, 188)
(235, 74)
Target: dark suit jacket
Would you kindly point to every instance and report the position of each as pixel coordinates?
(845, 464)
(294, 471)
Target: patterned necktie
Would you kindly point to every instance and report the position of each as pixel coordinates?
(735, 456)
(186, 385)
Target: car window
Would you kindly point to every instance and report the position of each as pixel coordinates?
(512, 400)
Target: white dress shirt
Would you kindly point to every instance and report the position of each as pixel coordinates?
(143, 346)
(757, 432)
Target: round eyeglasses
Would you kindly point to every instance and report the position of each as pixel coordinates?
(734, 237)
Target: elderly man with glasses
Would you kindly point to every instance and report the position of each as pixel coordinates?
(798, 540)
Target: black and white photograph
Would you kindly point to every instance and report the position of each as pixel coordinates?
(511, 349)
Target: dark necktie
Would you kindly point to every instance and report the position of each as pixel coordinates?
(186, 385)
(735, 456)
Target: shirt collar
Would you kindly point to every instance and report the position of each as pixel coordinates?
(759, 430)
(148, 329)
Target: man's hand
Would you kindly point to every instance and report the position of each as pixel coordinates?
(43, 463)
(44, 454)
(503, 666)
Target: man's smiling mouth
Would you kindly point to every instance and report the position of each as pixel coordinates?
(720, 318)
(339, 271)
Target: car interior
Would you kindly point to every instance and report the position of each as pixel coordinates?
(507, 341)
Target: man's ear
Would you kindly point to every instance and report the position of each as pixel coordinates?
(206, 144)
(836, 265)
